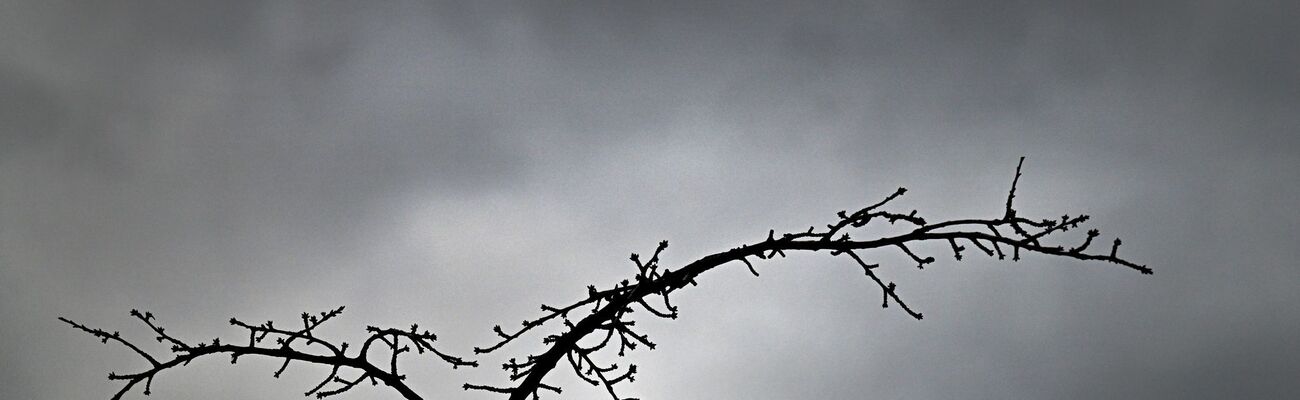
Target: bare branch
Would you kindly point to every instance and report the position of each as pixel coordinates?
(613, 305)
(333, 355)
(604, 326)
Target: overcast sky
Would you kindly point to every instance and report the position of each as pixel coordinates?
(456, 165)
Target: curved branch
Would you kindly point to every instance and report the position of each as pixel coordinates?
(612, 306)
(608, 322)
(334, 356)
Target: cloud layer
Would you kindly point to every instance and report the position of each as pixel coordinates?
(457, 164)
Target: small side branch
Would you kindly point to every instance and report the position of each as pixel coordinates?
(301, 345)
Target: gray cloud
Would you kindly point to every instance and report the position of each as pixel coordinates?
(456, 164)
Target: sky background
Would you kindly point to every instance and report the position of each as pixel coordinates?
(456, 165)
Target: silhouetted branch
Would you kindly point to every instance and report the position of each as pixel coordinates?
(289, 345)
(604, 326)
(611, 307)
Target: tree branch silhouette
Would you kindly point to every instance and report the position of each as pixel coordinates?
(609, 319)
(290, 345)
(604, 326)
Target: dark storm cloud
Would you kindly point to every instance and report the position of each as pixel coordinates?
(455, 164)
